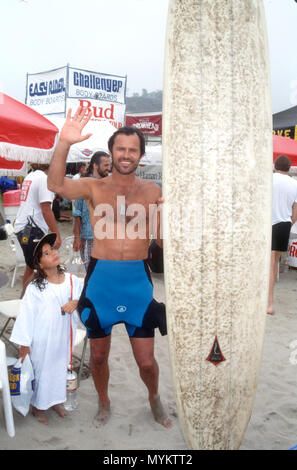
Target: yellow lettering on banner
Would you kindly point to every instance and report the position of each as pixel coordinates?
(295, 135)
(279, 132)
(287, 132)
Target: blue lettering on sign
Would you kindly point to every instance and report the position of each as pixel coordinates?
(47, 88)
(96, 83)
(38, 89)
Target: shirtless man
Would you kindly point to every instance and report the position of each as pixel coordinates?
(117, 287)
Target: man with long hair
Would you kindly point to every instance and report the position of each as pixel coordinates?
(99, 167)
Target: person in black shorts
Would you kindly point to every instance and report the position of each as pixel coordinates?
(35, 216)
(280, 236)
(284, 214)
(118, 264)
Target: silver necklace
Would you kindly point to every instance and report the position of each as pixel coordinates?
(123, 205)
(53, 284)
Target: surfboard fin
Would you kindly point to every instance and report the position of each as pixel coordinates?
(216, 355)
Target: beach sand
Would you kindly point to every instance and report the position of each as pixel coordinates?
(273, 423)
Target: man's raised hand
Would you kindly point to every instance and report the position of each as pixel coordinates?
(71, 132)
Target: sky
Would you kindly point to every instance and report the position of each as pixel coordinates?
(120, 37)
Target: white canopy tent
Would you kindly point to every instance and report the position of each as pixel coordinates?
(101, 131)
(150, 166)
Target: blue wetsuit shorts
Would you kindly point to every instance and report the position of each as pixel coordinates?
(120, 292)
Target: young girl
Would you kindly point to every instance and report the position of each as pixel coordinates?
(42, 327)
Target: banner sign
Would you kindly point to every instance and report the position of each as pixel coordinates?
(150, 172)
(149, 124)
(56, 91)
(93, 85)
(46, 92)
(101, 110)
(287, 132)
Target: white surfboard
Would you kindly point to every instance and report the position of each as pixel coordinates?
(217, 172)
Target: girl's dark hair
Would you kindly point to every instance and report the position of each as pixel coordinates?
(128, 130)
(40, 276)
(96, 159)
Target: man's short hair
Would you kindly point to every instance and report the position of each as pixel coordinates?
(40, 166)
(80, 165)
(282, 163)
(128, 130)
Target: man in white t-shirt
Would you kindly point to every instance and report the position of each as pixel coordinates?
(36, 210)
(284, 214)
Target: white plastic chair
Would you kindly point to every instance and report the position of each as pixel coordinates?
(81, 335)
(10, 310)
(68, 244)
(19, 256)
(73, 263)
(4, 386)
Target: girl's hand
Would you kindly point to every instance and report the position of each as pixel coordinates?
(70, 306)
(23, 351)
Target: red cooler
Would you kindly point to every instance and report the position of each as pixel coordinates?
(11, 203)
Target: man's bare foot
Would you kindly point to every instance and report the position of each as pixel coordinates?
(159, 413)
(40, 415)
(270, 310)
(60, 410)
(103, 414)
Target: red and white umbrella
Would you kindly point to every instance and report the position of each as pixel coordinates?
(12, 168)
(25, 135)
